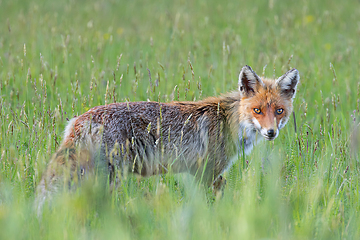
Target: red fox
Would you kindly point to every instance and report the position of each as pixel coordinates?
(149, 138)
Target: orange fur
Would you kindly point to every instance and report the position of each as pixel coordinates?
(150, 138)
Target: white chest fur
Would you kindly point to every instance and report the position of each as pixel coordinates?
(248, 137)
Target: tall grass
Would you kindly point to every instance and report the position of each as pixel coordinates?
(60, 58)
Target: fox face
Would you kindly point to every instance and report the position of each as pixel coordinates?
(265, 105)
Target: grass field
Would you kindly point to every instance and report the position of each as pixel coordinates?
(60, 58)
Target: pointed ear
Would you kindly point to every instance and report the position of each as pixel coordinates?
(288, 82)
(248, 80)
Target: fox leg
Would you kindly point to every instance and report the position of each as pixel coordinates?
(212, 177)
(218, 186)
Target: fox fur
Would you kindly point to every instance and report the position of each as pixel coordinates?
(148, 138)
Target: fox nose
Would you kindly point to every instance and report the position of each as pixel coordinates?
(271, 133)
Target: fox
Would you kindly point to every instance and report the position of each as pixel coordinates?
(148, 138)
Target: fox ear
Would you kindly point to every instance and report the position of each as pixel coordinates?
(248, 80)
(288, 82)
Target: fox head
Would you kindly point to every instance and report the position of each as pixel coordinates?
(266, 104)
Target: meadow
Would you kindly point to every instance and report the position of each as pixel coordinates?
(60, 58)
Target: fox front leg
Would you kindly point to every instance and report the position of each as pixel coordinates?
(218, 186)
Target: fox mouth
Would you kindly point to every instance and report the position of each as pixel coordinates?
(269, 138)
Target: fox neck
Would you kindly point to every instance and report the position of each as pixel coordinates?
(244, 134)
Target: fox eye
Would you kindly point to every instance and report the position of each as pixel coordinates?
(279, 111)
(257, 111)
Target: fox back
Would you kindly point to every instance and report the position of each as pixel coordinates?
(148, 138)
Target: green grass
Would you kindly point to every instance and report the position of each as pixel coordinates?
(60, 58)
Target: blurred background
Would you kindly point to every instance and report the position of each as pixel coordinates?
(60, 58)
